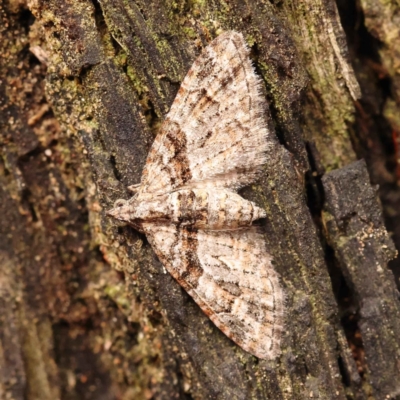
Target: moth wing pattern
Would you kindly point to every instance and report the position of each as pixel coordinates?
(214, 137)
(230, 276)
(215, 133)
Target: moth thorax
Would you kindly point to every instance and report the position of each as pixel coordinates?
(213, 209)
(156, 208)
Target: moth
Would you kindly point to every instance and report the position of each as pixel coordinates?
(214, 141)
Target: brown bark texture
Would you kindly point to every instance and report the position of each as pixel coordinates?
(86, 309)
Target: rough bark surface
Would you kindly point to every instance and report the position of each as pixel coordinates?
(86, 309)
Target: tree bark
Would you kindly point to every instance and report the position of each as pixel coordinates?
(87, 310)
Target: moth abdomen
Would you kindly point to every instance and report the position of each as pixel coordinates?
(214, 209)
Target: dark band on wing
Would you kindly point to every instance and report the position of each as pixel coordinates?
(191, 269)
(178, 165)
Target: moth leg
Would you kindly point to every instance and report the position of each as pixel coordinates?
(134, 188)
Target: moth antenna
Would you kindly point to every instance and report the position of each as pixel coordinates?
(134, 188)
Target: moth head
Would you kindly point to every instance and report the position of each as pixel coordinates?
(122, 211)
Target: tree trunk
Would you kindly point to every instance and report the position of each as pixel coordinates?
(87, 310)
